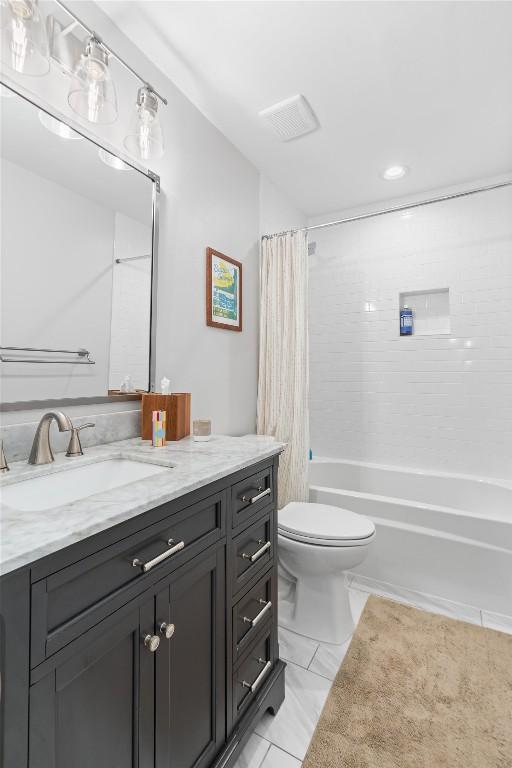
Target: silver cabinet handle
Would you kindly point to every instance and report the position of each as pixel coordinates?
(159, 558)
(167, 630)
(259, 552)
(152, 642)
(260, 615)
(253, 499)
(254, 686)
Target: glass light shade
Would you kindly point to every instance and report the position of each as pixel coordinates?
(24, 42)
(112, 160)
(92, 94)
(144, 138)
(57, 127)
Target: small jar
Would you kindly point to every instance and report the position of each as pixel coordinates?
(202, 429)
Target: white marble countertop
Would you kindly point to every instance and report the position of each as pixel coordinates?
(27, 536)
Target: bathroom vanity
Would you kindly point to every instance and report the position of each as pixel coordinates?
(139, 625)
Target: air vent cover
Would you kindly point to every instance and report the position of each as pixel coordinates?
(290, 118)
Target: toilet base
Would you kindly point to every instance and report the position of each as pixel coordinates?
(321, 610)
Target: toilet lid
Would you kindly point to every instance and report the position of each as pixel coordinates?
(323, 522)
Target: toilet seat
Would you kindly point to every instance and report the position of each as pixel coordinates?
(324, 525)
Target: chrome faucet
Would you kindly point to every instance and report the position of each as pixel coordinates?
(41, 452)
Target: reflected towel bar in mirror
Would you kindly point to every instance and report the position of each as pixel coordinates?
(133, 258)
(83, 356)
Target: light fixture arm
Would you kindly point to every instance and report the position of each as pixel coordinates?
(97, 38)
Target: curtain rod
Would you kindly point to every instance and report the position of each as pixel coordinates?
(109, 50)
(394, 209)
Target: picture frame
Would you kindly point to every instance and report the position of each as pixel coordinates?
(223, 291)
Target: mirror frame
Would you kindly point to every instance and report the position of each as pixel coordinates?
(25, 405)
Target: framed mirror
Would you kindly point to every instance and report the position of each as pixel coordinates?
(78, 262)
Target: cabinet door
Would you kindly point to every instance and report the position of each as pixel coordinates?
(190, 665)
(14, 665)
(96, 708)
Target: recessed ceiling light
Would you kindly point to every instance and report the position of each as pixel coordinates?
(395, 172)
(113, 161)
(57, 127)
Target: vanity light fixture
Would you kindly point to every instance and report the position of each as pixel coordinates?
(92, 94)
(395, 172)
(144, 138)
(24, 38)
(112, 160)
(57, 127)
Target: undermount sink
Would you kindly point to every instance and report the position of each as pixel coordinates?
(39, 493)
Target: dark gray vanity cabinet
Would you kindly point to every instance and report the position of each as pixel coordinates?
(190, 667)
(169, 667)
(96, 707)
(117, 700)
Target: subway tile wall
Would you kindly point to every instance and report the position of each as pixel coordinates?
(441, 402)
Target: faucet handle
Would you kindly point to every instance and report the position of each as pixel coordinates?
(4, 467)
(75, 446)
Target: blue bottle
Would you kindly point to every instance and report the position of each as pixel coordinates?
(406, 324)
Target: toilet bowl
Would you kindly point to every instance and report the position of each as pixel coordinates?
(317, 543)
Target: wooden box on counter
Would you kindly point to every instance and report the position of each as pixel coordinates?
(177, 406)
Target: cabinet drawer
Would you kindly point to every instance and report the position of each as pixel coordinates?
(252, 673)
(70, 601)
(251, 495)
(252, 550)
(251, 613)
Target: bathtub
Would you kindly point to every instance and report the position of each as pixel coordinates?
(446, 535)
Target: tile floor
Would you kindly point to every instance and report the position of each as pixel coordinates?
(282, 741)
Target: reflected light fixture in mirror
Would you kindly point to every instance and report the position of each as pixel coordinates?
(92, 94)
(57, 127)
(24, 41)
(112, 161)
(144, 139)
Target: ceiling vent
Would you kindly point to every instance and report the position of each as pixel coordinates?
(290, 118)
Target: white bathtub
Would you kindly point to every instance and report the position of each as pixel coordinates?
(446, 535)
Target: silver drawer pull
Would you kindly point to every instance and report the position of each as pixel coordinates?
(159, 558)
(253, 499)
(259, 552)
(253, 686)
(260, 615)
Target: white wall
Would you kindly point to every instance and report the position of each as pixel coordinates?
(434, 402)
(131, 304)
(56, 270)
(210, 197)
(277, 213)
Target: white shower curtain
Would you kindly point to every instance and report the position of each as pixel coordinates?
(283, 388)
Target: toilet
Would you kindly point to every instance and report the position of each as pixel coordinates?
(317, 543)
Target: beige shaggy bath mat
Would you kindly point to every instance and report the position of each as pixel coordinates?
(417, 690)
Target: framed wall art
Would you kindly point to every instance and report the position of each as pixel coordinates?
(223, 291)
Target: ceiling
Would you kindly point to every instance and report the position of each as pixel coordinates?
(425, 84)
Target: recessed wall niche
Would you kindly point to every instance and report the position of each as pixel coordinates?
(431, 310)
